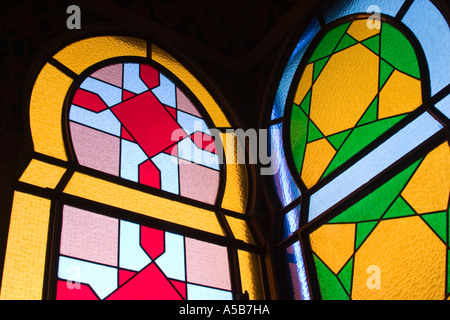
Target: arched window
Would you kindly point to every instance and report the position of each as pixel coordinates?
(360, 128)
(132, 191)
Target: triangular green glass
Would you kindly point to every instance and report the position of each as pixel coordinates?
(371, 113)
(298, 135)
(345, 42)
(345, 275)
(438, 222)
(362, 231)
(400, 208)
(313, 132)
(373, 44)
(318, 66)
(329, 42)
(385, 71)
(337, 139)
(306, 102)
(330, 288)
(372, 206)
(360, 138)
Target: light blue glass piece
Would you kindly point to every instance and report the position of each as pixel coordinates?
(131, 254)
(172, 261)
(131, 156)
(168, 167)
(187, 150)
(444, 106)
(191, 123)
(292, 65)
(404, 141)
(291, 222)
(196, 292)
(433, 33)
(104, 121)
(102, 279)
(296, 272)
(110, 94)
(131, 79)
(286, 188)
(342, 8)
(165, 92)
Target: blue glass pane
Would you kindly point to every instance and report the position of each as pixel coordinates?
(195, 292)
(291, 222)
(338, 9)
(444, 106)
(433, 32)
(131, 254)
(404, 141)
(110, 94)
(286, 79)
(296, 273)
(285, 185)
(104, 121)
(131, 79)
(131, 157)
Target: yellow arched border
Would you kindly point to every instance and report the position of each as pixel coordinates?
(27, 239)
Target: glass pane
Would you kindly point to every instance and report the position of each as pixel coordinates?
(433, 32)
(392, 244)
(295, 269)
(131, 121)
(349, 94)
(107, 258)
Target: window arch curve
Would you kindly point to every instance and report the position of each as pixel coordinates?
(352, 185)
(90, 222)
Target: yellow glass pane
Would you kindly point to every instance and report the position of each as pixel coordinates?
(42, 174)
(343, 90)
(359, 29)
(46, 106)
(109, 193)
(429, 188)
(411, 260)
(84, 53)
(400, 94)
(240, 229)
(23, 272)
(215, 112)
(334, 244)
(318, 155)
(304, 84)
(236, 187)
(250, 271)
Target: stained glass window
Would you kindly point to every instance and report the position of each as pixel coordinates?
(128, 193)
(359, 126)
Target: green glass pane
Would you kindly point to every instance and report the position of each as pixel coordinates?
(371, 113)
(360, 138)
(337, 139)
(438, 222)
(318, 66)
(345, 275)
(372, 206)
(362, 231)
(399, 209)
(306, 103)
(298, 134)
(397, 50)
(385, 71)
(330, 288)
(313, 132)
(346, 42)
(329, 42)
(373, 44)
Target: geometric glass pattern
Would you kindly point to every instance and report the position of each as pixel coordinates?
(359, 127)
(401, 227)
(124, 196)
(101, 257)
(357, 84)
(131, 121)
